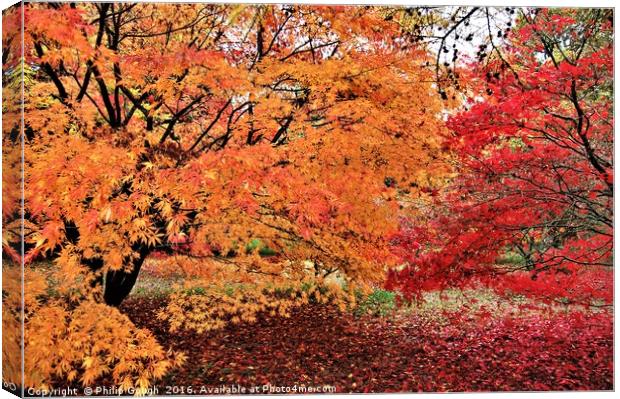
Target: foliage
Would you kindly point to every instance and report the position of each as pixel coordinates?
(71, 341)
(203, 309)
(83, 344)
(300, 130)
(378, 303)
(533, 155)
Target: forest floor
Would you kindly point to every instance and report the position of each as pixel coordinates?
(318, 349)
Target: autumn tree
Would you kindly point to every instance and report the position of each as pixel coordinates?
(267, 144)
(530, 210)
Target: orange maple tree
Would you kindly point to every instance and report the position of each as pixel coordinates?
(274, 147)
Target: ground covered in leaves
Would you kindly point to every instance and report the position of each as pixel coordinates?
(319, 347)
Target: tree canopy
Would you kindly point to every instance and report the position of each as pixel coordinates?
(534, 156)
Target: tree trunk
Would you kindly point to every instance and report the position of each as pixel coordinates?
(118, 284)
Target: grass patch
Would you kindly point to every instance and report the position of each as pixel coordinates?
(379, 303)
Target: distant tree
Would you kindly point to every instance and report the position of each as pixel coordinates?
(534, 162)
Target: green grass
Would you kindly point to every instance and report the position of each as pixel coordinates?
(379, 303)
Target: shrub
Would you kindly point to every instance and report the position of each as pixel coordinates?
(379, 303)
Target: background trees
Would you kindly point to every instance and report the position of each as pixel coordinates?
(534, 157)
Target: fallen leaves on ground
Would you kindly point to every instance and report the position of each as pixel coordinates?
(317, 346)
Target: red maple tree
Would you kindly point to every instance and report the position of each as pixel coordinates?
(530, 210)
